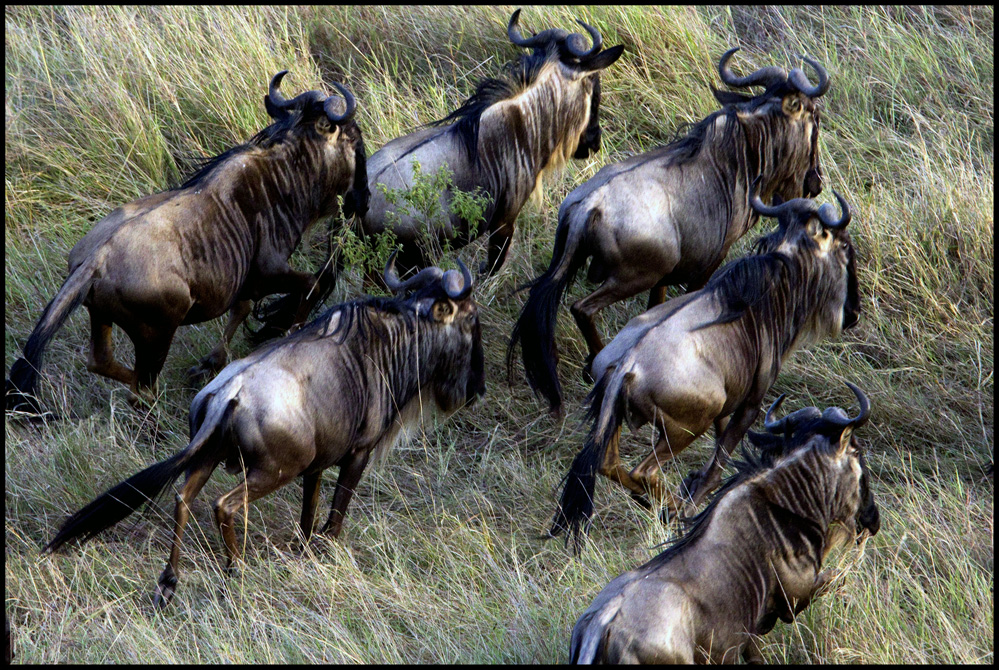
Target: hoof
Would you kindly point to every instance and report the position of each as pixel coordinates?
(203, 371)
(588, 370)
(165, 590)
(142, 402)
(641, 500)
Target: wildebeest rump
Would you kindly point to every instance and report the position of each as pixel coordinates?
(752, 556)
(710, 356)
(216, 243)
(669, 216)
(501, 140)
(332, 393)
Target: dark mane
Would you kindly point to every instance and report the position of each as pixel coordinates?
(360, 311)
(764, 284)
(689, 137)
(762, 453)
(267, 137)
(519, 76)
(754, 460)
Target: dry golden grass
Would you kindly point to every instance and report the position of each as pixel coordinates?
(441, 558)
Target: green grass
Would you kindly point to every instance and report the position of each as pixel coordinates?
(441, 558)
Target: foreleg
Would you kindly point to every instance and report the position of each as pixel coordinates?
(351, 469)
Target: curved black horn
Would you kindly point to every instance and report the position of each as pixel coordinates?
(572, 40)
(279, 100)
(328, 106)
(826, 214)
(797, 206)
(273, 91)
(768, 422)
(539, 40)
(865, 406)
(454, 290)
(513, 32)
(766, 76)
(798, 79)
(839, 418)
(422, 278)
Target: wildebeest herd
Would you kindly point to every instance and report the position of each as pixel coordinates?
(347, 385)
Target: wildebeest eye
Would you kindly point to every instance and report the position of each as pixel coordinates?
(792, 105)
(323, 125)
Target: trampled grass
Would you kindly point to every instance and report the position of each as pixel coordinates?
(441, 558)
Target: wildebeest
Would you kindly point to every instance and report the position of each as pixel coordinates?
(501, 140)
(669, 216)
(332, 393)
(710, 356)
(217, 242)
(752, 556)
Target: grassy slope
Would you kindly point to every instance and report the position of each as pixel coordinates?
(441, 558)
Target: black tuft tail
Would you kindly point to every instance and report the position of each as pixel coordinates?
(20, 391)
(576, 505)
(118, 503)
(125, 498)
(535, 328)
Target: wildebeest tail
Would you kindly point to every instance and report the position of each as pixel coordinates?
(24, 372)
(607, 405)
(125, 498)
(586, 644)
(535, 328)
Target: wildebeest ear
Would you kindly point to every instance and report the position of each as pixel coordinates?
(820, 235)
(443, 311)
(844, 440)
(603, 59)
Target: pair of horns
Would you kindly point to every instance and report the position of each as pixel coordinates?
(803, 207)
(833, 415)
(574, 44)
(770, 76)
(458, 286)
(329, 104)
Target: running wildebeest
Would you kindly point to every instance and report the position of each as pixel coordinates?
(710, 356)
(332, 393)
(218, 242)
(752, 556)
(501, 140)
(669, 216)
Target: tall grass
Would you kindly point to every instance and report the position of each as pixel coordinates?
(441, 557)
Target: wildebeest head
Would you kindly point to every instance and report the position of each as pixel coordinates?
(579, 63)
(444, 301)
(315, 117)
(807, 427)
(816, 228)
(789, 108)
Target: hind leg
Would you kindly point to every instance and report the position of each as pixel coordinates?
(216, 360)
(167, 584)
(614, 470)
(351, 469)
(707, 479)
(151, 348)
(257, 484)
(584, 311)
(101, 359)
(673, 438)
